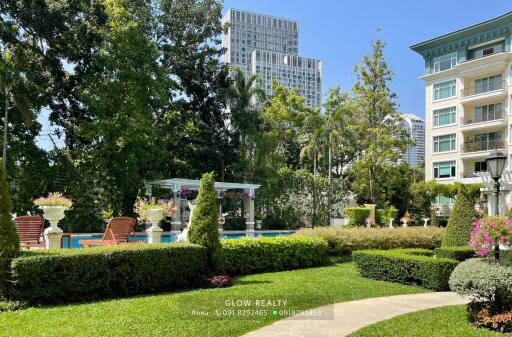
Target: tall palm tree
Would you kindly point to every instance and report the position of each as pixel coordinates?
(245, 98)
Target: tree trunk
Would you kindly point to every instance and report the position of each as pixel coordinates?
(329, 180)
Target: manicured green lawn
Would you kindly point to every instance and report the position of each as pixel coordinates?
(448, 321)
(171, 314)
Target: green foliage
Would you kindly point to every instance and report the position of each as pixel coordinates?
(247, 256)
(455, 253)
(9, 241)
(384, 214)
(407, 266)
(434, 221)
(357, 216)
(484, 281)
(343, 241)
(63, 276)
(460, 222)
(204, 227)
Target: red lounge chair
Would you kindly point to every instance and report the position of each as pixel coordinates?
(30, 230)
(117, 232)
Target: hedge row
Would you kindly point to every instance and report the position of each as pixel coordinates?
(343, 241)
(247, 256)
(407, 266)
(460, 253)
(63, 276)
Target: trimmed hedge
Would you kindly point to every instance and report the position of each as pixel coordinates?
(455, 253)
(343, 241)
(62, 276)
(357, 215)
(407, 266)
(247, 256)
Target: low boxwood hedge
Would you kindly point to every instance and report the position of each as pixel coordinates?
(343, 241)
(408, 266)
(62, 276)
(247, 256)
(459, 253)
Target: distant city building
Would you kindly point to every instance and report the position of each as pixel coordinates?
(268, 46)
(415, 127)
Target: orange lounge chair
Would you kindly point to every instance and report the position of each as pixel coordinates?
(118, 231)
(30, 229)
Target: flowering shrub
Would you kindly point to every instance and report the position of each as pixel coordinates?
(54, 199)
(246, 195)
(185, 192)
(216, 281)
(142, 205)
(500, 322)
(488, 232)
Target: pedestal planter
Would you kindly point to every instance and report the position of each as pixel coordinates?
(53, 234)
(154, 232)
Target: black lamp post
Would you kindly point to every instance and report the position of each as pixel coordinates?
(495, 165)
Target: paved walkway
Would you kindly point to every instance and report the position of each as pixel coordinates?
(347, 317)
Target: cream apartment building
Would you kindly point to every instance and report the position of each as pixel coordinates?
(468, 105)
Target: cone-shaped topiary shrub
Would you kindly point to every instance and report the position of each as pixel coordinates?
(460, 222)
(9, 241)
(204, 228)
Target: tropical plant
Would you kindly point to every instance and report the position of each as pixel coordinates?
(54, 199)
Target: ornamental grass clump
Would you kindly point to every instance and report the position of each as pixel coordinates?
(53, 199)
(489, 233)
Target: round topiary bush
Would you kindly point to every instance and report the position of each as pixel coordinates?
(486, 282)
(460, 222)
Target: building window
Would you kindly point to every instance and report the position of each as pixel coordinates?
(445, 62)
(487, 50)
(444, 143)
(444, 169)
(489, 112)
(480, 166)
(487, 84)
(445, 116)
(442, 200)
(444, 89)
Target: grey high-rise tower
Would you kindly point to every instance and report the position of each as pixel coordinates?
(268, 46)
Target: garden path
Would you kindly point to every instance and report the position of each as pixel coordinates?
(341, 319)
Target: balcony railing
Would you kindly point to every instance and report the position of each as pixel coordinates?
(480, 89)
(483, 146)
(483, 117)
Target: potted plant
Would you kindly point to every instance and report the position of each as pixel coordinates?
(54, 206)
(153, 211)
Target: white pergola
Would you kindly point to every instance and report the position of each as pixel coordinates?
(176, 184)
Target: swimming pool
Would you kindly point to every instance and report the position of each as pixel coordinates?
(168, 237)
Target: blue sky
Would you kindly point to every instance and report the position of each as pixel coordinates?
(339, 32)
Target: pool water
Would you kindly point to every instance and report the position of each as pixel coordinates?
(168, 238)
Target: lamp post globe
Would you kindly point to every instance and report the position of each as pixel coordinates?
(495, 164)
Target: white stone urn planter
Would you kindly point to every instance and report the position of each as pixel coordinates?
(154, 215)
(53, 234)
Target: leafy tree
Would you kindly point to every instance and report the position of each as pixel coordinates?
(380, 138)
(204, 228)
(460, 222)
(9, 241)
